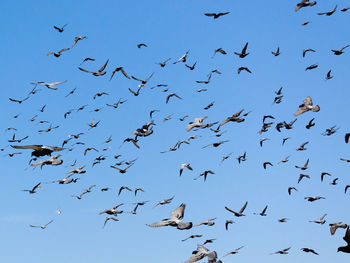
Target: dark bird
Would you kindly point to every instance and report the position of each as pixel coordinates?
(87, 59)
(19, 101)
(304, 3)
(122, 188)
(228, 222)
(303, 167)
(313, 198)
(323, 174)
(313, 66)
(328, 76)
(329, 13)
(216, 15)
(191, 67)
(33, 190)
(346, 249)
(262, 213)
(172, 95)
(310, 124)
(143, 82)
(219, 50)
(141, 45)
(100, 72)
(309, 250)
(39, 150)
(76, 39)
(243, 53)
(240, 213)
(57, 54)
(60, 29)
(243, 68)
(340, 51)
(282, 252)
(277, 53)
(267, 163)
(307, 50)
(117, 69)
(303, 176)
(290, 190)
(163, 64)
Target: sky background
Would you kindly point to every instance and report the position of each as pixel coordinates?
(170, 28)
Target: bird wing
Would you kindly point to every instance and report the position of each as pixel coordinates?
(209, 14)
(245, 48)
(85, 70)
(302, 109)
(103, 67)
(33, 147)
(124, 73)
(243, 208)
(347, 236)
(178, 213)
(196, 257)
(164, 222)
(308, 101)
(228, 209)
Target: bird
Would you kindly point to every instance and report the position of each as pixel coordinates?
(346, 188)
(163, 64)
(39, 150)
(143, 82)
(282, 252)
(191, 237)
(113, 210)
(100, 72)
(76, 39)
(202, 252)
(302, 147)
(340, 51)
(263, 212)
(122, 188)
(313, 66)
(172, 95)
(164, 202)
(33, 190)
(141, 45)
(42, 226)
(243, 68)
(219, 50)
(191, 67)
(304, 3)
(334, 182)
(185, 165)
(283, 220)
(87, 59)
(309, 250)
(290, 190)
(323, 174)
(58, 53)
(183, 58)
(267, 163)
(335, 226)
(313, 198)
(60, 29)
(277, 53)
(262, 140)
(233, 252)
(307, 50)
(310, 124)
(50, 85)
(347, 136)
(198, 122)
(243, 53)
(320, 221)
(121, 69)
(206, 222)
(228, 222)
(240, 213)
(175, 219)
(328, 76)
(303, 167)
(216, 15)
(138, 189)
(307, 106)
(110, 218)
(346, 249)
(329, 13)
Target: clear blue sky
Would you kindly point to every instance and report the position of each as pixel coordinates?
(170, 28)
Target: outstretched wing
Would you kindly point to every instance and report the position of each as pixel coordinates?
(33, 147)
(164, 222)
(178, 212)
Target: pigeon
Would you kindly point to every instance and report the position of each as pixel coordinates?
(307, 106)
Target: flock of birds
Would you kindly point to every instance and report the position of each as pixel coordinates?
(42, 155)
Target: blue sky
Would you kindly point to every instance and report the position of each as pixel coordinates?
(170, 28)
